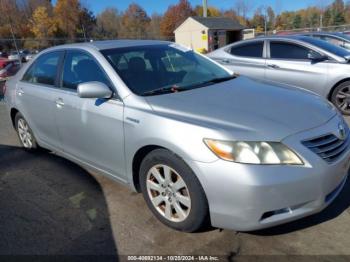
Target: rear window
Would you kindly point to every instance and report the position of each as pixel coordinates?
(44, 70)
(249, 50)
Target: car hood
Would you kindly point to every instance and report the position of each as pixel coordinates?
(243, 108)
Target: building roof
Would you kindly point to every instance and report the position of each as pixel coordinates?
(219, 23)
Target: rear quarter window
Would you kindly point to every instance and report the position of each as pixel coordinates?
(254, 50)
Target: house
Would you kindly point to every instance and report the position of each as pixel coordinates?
(208, 33)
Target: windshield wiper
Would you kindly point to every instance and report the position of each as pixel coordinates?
(175, 88)
(163, 90)
(221, 79)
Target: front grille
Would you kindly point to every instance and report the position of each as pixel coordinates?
(328, 147)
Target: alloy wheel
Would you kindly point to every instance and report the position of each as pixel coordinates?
(342, 99)
(168, 193)
(24, 133)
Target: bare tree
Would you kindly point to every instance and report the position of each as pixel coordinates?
(243, 7)
(278, 7)
(322, 5)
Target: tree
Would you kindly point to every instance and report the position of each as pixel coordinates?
(338, 12)
(258, 19)
(270, 18)
(230, 13)
(211, 11)
(174, 16)
(154, 27)
(13, 19)
(242, 8)
(67, 16)
(108, 24)
(297, 21)
(32, 5)
(87, 22)
(347, 13)
(135, 22)
(41, 24)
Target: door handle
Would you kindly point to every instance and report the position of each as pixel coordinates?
(59, 102)
(273, 66)
(226, 61)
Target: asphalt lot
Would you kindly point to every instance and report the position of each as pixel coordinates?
(49, 205)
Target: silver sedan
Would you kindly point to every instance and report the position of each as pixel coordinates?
(202, 145)
(299, 61)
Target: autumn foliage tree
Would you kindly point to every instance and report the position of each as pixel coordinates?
(211, 11)
(42, 25)
(66, 13)
(135, 22)
(108, 25)
(174, 16)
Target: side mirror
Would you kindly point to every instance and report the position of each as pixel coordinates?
(316, 57)
(94, 90)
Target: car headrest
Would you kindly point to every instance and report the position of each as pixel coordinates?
(137, 64)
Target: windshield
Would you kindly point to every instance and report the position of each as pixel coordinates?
(327, 46)
(152, 67)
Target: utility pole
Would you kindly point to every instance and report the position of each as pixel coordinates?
(265, 20)
(205, 8)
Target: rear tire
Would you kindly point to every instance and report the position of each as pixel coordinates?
(25, 133)
(341, 97)
(173, 192)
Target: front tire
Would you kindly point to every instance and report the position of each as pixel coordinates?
(341, 97)
(25, 133)
(173, 192)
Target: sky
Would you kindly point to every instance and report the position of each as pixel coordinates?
(160, 6)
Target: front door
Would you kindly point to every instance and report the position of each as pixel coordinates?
(91, 129)
(289, 64)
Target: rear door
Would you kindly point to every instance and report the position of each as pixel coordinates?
(35, 97)
(91, 129)
(288, 63)
(246, 59)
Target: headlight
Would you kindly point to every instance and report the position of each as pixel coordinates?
(264, 153)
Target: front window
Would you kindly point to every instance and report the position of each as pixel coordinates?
(283, 50)
(146, 69)
(79, 67)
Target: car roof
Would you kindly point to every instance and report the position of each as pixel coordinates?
(292, 37)
(110, 44)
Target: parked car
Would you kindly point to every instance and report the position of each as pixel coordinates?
(338, 39)
(14, 55)
(29, 56)
(3, 54)
(200, 143)
(8, 68)
(294, 60)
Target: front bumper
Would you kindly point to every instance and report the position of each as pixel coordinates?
(250, 197)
